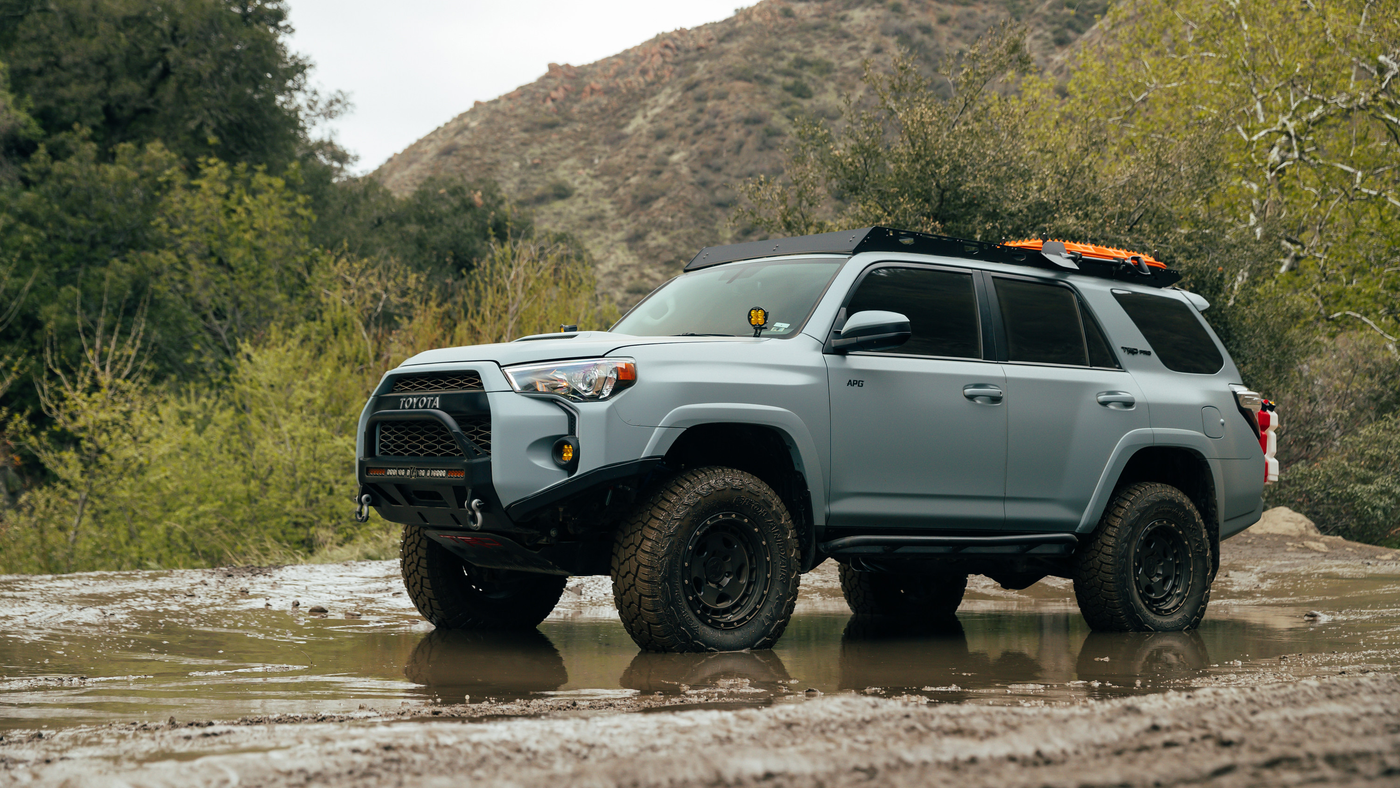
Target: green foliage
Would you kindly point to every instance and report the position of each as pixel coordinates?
(259, 468)
(1304, 105)
(1354, 491)
(440, 229)
(532, 286)
(194, 304)
(17, 129)
(204, 77)
(220, 256)
(232, 255)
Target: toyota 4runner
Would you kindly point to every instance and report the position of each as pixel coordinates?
(917, 408)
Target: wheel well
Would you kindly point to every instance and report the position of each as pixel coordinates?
(762, 451)
(1185, 470)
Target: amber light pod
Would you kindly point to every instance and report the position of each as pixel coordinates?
(565, 453)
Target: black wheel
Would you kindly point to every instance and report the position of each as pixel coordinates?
(909, 596)
(1148, 566)
(453, 594)
(708, 563)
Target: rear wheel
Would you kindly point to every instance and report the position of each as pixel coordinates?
(1148, 566)
(906, 595)
(708, 563)
(453, 594)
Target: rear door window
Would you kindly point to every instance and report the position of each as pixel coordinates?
(1174, 331)
(1042, 323)
(1099, 353)
(941, 306)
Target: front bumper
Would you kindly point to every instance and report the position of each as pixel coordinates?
(486, 455)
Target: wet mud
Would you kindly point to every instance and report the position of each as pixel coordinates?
(117, 673)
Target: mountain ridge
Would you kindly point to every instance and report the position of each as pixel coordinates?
(638, 154)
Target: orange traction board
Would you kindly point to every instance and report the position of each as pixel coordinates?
(1091, 251)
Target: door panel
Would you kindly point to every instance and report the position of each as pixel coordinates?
(1068, 403)
(1063, 424)
(910, 449)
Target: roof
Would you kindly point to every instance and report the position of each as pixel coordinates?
(1085, 258)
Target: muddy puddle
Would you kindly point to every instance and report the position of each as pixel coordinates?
(226, 644)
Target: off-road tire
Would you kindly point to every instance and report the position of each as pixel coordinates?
(1107, 567)
(453, 594)
(923, 596)
(662, 603)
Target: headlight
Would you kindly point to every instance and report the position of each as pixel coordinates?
(584, 381)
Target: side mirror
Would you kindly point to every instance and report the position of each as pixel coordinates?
(872, 330)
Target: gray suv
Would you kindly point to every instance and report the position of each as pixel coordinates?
(917, 408)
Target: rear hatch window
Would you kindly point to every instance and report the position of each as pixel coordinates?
(1174, 331)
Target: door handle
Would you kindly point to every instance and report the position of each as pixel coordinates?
(985, 393)
(1117, 400)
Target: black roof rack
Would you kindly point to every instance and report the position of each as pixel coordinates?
(886, 239)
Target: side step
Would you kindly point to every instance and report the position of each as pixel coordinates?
(1003, 545)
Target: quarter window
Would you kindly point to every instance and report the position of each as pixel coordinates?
(941, 307)
(1174, 331)
(1042, 323)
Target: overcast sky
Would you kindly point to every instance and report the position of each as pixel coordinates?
(412, 65)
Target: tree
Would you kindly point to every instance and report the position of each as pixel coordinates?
(204, 77)
(441, 229)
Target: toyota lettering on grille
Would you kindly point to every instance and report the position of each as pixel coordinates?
(420, 402)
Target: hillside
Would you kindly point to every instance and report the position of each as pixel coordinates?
(638, 154)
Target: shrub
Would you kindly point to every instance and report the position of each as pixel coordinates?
(1354, 491)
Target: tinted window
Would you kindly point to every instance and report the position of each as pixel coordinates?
(1099, 353)
(1042, 323)
(1174, 331)
(941, 307)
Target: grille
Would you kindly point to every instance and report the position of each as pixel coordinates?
(444, 381)
(477, 429)
(416, 439)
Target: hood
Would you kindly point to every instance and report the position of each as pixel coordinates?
(551, 347)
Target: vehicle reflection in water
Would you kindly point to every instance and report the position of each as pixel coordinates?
(937, 659)
(456, 666)
(734, 672)
(264, 662)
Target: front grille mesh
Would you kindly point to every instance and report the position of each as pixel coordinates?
(438, 381)
(477, 429)
(416, 439)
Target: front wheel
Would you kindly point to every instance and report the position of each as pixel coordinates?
(1148, 566)
(708, 563)
(453, 594)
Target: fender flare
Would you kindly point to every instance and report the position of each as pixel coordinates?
(803, 448)
(1128, 446)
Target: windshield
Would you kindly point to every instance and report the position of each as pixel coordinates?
(716, 301)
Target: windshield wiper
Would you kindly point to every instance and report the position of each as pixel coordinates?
(693, 334)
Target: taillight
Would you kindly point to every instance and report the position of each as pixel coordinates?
(1249, 402)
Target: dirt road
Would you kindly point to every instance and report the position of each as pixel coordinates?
(122, 678)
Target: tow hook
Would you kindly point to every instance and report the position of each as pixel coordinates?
(362, 508)
(474, 518)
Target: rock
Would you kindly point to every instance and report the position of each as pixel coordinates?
(812, 692)
(318, 609)
(1317, 547)
(353, 614)
(1285, 522)
(296, 603)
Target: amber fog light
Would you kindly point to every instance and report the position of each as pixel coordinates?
(566, 453)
